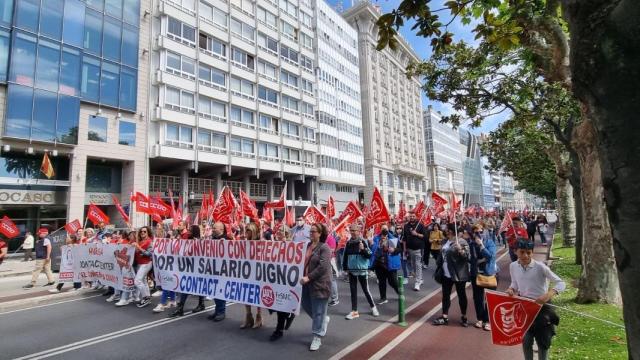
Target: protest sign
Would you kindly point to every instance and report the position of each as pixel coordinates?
(510, 316)
(110, 264)
(253, 272)
(66, 274)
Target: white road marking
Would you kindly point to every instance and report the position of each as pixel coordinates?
(51, 304)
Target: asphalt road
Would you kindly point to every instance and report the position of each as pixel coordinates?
(89, 328)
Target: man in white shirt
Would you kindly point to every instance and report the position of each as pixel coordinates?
(530, 279)
(301, 231)
(27, 245)
(43, 259)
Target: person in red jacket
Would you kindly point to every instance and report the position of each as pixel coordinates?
(517, 230)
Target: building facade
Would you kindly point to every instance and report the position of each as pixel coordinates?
(72, 84)
(233, 99)
(444, 156)
(488, 194)
(394, 159)
(341, 152)
(472, 169)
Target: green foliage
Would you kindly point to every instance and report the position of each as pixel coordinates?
(581, 337)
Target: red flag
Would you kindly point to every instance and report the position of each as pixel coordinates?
(438, 201)
(280, 204)
(46, 168)
(73, 226)
(426, 219)
(248, 207)
(175, 216)
(510, 317)
(403, 211)
(267, 215)
(96, 215)
(419, 209)
(331, 208)
(156, 217)
(224, 206)
(120, 209)
(351, 211)
(506, 222)
(481, 211)
(378, 212)
(142, 203)
(313, 215)
(8, 228)
(288, 217)
(157, 206)
(470, 210)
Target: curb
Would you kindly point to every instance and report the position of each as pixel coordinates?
(15, 274)
(38, 300)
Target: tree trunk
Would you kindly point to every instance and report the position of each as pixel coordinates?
(599, 279)
(566, 211)
(605, 53)
(576, 183)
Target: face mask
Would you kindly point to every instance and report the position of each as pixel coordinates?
(385, 232)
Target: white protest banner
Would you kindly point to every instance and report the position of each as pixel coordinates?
(253, 272)
(67, 266)
(110, 264)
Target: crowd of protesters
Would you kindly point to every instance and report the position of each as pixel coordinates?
(463, 251)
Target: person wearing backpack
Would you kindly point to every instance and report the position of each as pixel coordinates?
(356, 264)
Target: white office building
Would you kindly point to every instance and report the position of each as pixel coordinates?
(233, 98)
(340, 153)
(394, 159)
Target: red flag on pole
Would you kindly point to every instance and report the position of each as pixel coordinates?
(156, 217)
(510, 317)
(142, 203)
(8, 228)
(224, 206)
(120, 209)
(288, 217)
(159, 207)
(507, 222)
(73, 226)
(267, 215)
(377, 212)
(280, 204)
(248, 207)
(96, 215)
(331, 208)
(438, 200)
(419, 209)
(402, 212)
(313, 215)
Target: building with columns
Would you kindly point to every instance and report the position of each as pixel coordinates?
(73, 80)
(394, 158)
(232, 99)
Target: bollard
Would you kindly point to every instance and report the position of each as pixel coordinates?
(401, 320)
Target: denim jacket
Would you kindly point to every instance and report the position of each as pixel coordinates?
(483, 260)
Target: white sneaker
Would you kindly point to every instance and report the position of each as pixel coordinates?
(122, 302)
(111, 298)
(157, 293)
(54, 290)
(171, 304)
(405, 281)
(159, 308)
(416, 287)
(315, 344)
(375, 312)
(352, 315)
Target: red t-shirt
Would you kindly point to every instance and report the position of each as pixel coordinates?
(141, 259)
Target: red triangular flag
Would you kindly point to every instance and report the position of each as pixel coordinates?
(8, 228)
(248, 207)
(267, 215)
(312, 215)
(331, 208)
(510, 317)
(96, 215)
(288, 217)
(142, 203)
(377, 212)
(224, 206)
(157, 206)
(419, 209)
(438, 200)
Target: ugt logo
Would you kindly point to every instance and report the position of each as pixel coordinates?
(510, 318)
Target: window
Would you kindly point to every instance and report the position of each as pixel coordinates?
(113, 8)
(268, 43)
(96, 4)
(213, 15)
(180, 65)
(112, 39)
(211, 139)
(242, 58)
(6, 12)
(179, 100)
(48, 65)
(178, 135)
(288, 53)
(306, 41)
(127, 133)
(267, 18)
(290, 154)
(90, 85)
(288, 30)
(268, 150)
(130, 45)
(306, 63)
(245, 31)
(51, 23)
(242, 87)
(131, 11)
(212, 109)
(267, 69)
(43, 124)
(288, 78)
(307, 108)
(4, 54)
(73, 30)
(306, 19)
(93, 32)
(128, 88)
(109, 82)
(23, 59)
(244, 5)
(98, 128)
(27, 13)
(266, 94)
(181, 32)
(70, 72)
(213, 46)
(309, 134)
(307, 85)
(291, 129)
(240, 116)
(67, 125)
(290, 103)
(289, 8)
(211, 76)
(19, 111)
(242, 145)
(268, 123)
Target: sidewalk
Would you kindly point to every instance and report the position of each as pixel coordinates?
(14, 266)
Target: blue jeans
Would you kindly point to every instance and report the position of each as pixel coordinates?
(317, 310)
(166, 296)
(221, 306)
(543, 237)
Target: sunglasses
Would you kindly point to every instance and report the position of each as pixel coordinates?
(314, 231)
(143, 231)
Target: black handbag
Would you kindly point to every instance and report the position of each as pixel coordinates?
(438, 275)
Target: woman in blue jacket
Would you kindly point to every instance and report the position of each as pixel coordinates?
(385, 261)
(482, 260)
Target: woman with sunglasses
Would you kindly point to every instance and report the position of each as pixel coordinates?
(251, 232)
(316, 283)
(143, 259)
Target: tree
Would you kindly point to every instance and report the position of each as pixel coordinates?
(600, 67)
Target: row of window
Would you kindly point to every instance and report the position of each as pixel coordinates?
(338, 164)
(99, 126)
(339, 124)
(342, 145)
